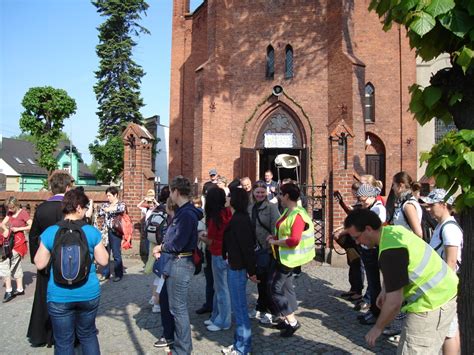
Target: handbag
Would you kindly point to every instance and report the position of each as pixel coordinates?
(7, 246)
(198, 258)
(117, 226)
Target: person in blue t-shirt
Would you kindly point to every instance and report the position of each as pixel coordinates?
(73, 309)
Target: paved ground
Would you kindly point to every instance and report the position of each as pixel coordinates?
(127, 326)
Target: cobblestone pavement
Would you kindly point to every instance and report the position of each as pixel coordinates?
(127, 326)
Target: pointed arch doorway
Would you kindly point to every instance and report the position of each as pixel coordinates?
(279, 134)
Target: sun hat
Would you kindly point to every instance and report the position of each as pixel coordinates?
(437, 195)
(150, 195)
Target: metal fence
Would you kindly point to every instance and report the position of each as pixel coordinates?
(315, 196)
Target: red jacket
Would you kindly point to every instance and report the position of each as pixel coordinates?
(216, 234)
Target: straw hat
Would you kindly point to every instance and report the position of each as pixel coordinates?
(150, 195)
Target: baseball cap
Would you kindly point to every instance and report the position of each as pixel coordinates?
(367, 190)
(213, 171)
(437, 195)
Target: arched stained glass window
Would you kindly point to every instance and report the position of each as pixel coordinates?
(270, 70)
(288, 62)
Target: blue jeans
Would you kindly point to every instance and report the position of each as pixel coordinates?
(221, 313)
(181, 272)
(115, 243)
(237, 280)
(167, 320)
(74, 318)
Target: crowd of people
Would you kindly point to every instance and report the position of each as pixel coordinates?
(236, 232)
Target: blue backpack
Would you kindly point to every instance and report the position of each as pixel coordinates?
(70, 258)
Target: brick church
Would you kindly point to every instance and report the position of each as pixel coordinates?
(317, 79)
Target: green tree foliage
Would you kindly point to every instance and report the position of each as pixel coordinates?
(435, 27)
(110, 155)
(119, 77)
(46, 108)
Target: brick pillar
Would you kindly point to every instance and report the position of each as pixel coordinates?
(137, 175)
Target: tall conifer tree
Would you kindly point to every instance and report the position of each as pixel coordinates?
(119, 78)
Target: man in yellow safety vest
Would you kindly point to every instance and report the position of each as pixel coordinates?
(416, 280)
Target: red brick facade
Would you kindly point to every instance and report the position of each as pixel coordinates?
(222, 102)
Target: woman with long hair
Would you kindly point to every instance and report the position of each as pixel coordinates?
(238, 250)
(263, 215)
(408, 212)
(217, 219)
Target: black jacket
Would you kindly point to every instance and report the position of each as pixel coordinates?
(239, 243)
(47, 214)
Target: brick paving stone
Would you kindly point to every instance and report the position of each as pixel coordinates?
(127, 325)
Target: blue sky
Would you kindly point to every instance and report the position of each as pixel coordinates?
(52, 42)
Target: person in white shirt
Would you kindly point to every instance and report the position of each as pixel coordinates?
(447, 241)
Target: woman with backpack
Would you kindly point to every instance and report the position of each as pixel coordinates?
(73, 305)
(447, 241)
(408, 212)
(16, 222)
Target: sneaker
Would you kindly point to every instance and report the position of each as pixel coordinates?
(156, 309)
(208, 322)
(215, 328)
(281, 325)
(228, 350)
(255, 314)
(8, 297)
(266, 318)
(203, 310)
(347, 294)
(364, 315)
(117, 279)
(102, 278)
(290, 330)
(152, 301)
(18, 293)
(361, 306)
(163, 343)
(370, 320)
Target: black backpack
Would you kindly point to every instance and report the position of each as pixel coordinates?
(70, 257)
(428, 223)
(156, 225)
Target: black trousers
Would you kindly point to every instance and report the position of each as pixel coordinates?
(281, 289)
(355, 275)
(371, 264)
(209, 281)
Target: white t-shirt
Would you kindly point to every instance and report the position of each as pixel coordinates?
(146, 212)
(399, 218)
(452, 236)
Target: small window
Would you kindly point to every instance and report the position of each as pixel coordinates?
(67, 167)
(19, 160)
(31, 161)
(441, 129)
(288, 62)
(369, 103)
(270, 70)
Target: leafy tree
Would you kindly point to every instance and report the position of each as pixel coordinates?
(436, 27)
(45, 110)
(110, 156)
(119, 77)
